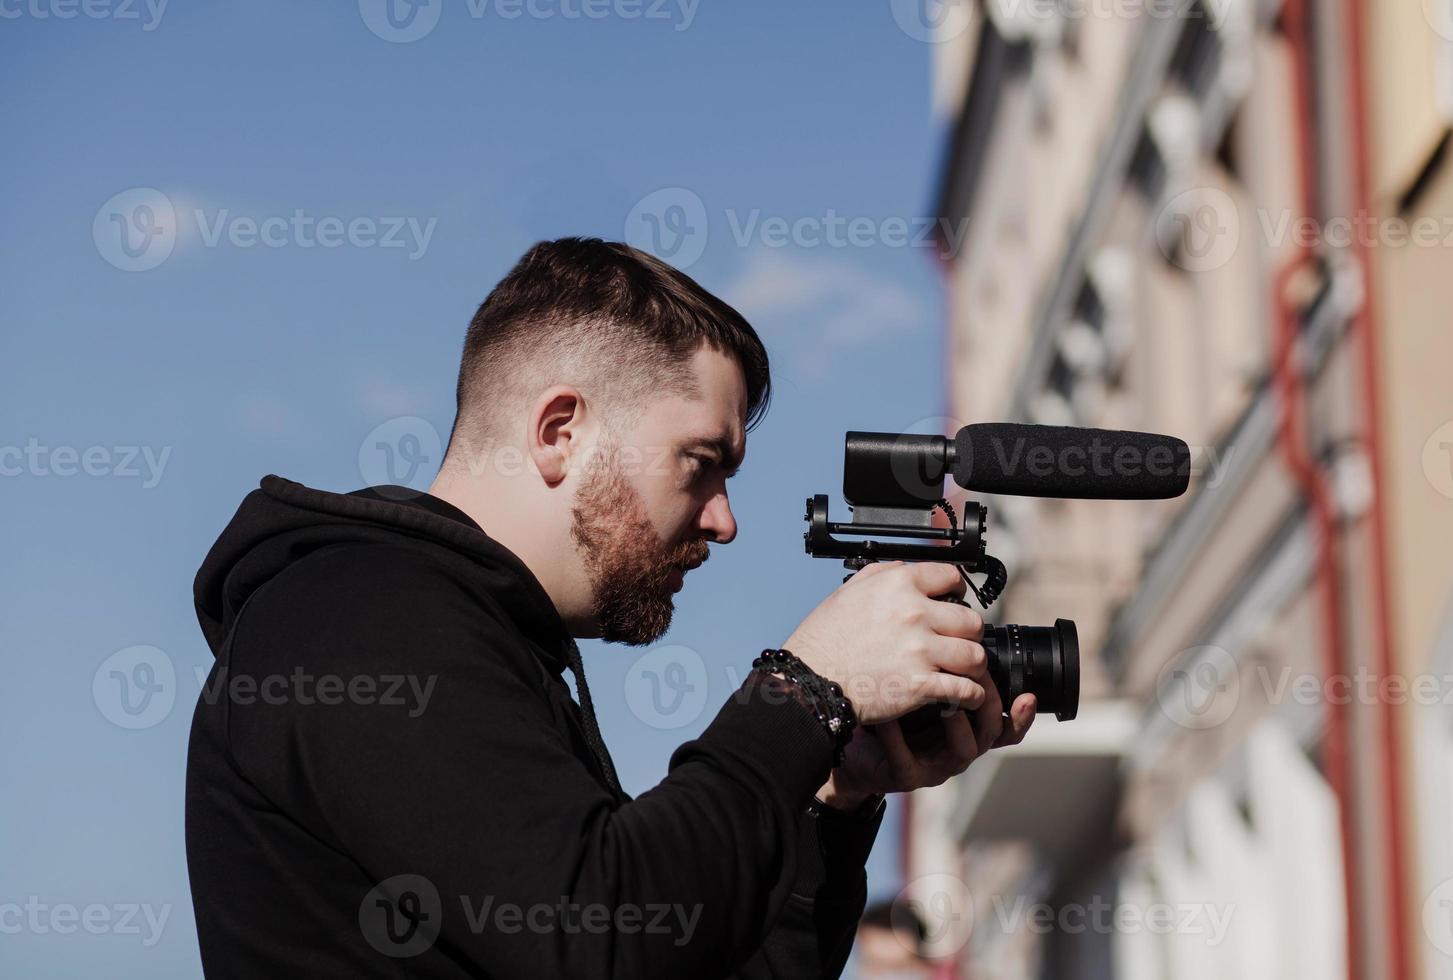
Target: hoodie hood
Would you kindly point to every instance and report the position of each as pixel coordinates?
(283, 522)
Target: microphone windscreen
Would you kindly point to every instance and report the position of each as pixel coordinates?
(1063, 461)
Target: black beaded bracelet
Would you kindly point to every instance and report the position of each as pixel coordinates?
(824, 697)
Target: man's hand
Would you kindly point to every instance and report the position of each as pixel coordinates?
(879, 759)
(893, 648)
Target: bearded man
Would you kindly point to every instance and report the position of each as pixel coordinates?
(436, 804)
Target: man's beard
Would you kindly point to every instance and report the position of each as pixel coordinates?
(630, 568)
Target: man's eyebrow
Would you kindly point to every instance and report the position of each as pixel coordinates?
(723, 449)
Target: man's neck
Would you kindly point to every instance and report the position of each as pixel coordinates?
(537, 539)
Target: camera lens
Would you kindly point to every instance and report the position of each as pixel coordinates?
(1039, 660)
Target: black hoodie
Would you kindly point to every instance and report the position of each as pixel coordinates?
(388, 777)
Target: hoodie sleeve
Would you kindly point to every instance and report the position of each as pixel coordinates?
(814, 934)
(478, 828)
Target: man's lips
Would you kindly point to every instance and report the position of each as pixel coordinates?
(678, 574)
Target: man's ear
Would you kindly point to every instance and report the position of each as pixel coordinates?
(557, 426)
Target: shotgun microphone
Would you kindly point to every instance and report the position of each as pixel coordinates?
(1061, 461)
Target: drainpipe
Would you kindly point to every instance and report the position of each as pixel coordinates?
(1364, 326)
(1312, 480)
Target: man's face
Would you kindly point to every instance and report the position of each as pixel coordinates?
(656, 495)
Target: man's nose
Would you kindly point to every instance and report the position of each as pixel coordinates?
(717, 519)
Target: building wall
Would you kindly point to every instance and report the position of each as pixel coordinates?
(1153, 167)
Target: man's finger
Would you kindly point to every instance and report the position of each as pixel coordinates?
(989, 719)
(959, 735)
(1021, 716)
(956, 619)
(954, 690)
(901, 761)
(868, 571)
(936, 579)
(967, 658)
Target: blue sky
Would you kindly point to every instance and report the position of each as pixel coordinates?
(332, 205)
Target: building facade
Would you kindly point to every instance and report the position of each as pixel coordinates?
(1231, 221)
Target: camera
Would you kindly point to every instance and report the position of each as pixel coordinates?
(894, 487)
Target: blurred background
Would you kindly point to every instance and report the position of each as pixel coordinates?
(1230, 221)
(247, 238)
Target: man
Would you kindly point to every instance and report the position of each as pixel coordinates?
(471, 824)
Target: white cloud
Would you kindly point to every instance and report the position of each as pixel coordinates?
(264, 413)
(381, 396)
(824, 300)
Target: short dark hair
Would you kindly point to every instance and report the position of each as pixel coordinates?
(607, 312)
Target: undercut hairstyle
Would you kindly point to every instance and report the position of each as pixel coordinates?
(617, 323)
